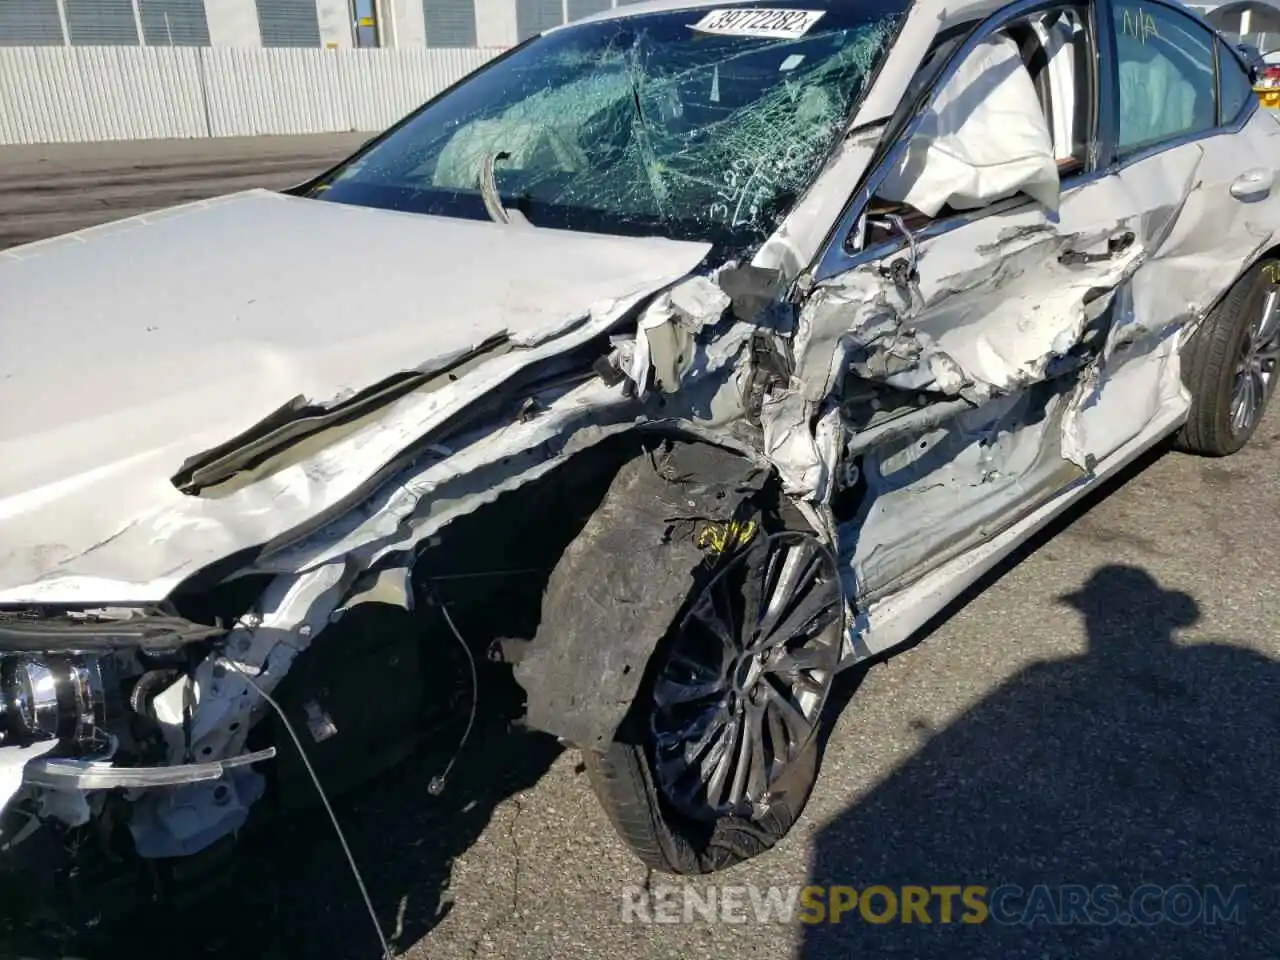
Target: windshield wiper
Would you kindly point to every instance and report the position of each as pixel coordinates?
(489, 193)
(489, 188)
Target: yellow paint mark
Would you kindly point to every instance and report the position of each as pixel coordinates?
(720, 537)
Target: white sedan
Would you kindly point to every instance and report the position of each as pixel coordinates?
(692, 353)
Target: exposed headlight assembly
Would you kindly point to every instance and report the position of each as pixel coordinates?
(55, 697)
(62, 673)
(77, 683)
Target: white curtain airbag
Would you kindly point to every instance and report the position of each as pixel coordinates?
(983, 138)
(1059, 43)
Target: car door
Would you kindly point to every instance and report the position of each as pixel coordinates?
(968, 328)
(1193, 158)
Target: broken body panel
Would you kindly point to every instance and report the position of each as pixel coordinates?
(930, 400)
(1058, 364)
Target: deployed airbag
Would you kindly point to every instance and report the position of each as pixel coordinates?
(983, 138)
(1155, 101)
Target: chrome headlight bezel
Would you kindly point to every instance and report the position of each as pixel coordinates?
(55, 696)
(77, 661)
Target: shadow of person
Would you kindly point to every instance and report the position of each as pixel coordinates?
(1141, 761)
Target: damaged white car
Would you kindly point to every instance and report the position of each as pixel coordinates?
(715, 347)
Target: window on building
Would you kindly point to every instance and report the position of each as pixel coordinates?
(101, 23)
(30, 23)
(584, 8)
(288, 23)
(368, 30)
(174, 23)
(450, 23)
(534, 16)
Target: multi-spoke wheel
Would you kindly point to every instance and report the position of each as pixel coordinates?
(689, 636)
(1230, 366)
(1255, 373)
(722, 751)
(738, 697)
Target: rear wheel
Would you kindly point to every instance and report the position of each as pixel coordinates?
(1230, 366)
(719, 754)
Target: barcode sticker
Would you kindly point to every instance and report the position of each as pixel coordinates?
(757, 22)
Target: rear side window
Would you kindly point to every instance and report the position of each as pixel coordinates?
(1234, 88)
(1165, 69)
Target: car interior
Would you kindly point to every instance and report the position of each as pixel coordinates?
(1054, 50)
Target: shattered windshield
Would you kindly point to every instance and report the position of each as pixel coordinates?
(701, 124)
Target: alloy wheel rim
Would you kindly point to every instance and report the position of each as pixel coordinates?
(740, 695)
(1256, 367)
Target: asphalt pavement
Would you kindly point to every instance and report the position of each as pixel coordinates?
(1105, 712)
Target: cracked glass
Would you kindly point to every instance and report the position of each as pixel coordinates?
(636, 125)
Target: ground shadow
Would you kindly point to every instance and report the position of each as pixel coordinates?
(302, 899)
(1142, 761)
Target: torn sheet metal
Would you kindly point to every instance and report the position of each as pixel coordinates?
(211, 343)
(937, 492)
(1066, 342)
(790, 445)
(978, 336)
(995, 303)
(1199, 246)
(273, 261)
(898, 615)
(414, 503)
(665, 334)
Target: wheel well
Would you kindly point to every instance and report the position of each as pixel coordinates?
(1271, 252)
(491, 569)
(667, 516)
(494, 564)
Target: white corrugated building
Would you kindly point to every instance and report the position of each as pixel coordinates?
(82, 70)
(332, 23)
(284, 23)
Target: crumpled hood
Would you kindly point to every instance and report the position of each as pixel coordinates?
(129, 348)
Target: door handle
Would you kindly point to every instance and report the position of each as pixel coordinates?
(1116, 244)
(1253, 184)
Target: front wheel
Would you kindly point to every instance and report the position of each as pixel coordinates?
(720, 753)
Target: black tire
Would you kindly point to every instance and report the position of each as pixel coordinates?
(622, 781)
(669, 836)
(1211, 362)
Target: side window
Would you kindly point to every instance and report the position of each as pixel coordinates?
(1055, 49)
(1165, 70)
(1013, 119)
(1234, 87)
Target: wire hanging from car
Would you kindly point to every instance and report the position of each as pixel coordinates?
(437, 784)
(324, 798)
